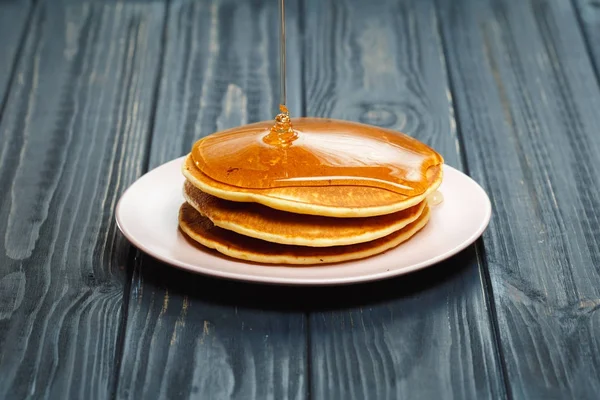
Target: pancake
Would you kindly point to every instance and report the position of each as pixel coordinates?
(330, 201)
(313, 152)
(201, 230)
(261, 222)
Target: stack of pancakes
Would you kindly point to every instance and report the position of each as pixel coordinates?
(299, 224)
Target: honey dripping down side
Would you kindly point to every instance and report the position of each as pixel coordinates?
(316, 152)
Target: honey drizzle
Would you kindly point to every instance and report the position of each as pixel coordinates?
(282, 134)
(317, 152)
(282, 67)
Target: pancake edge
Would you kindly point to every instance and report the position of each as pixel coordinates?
(274, 238)
(298, 207)
(237, 255)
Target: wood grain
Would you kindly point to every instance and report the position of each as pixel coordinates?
(528, 100)
(13, 24)
(73, 135)
(424, 336)
(190, 336)
(589, 17)
(221, 70)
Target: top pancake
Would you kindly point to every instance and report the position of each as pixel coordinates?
(330, 201)
(316, 152)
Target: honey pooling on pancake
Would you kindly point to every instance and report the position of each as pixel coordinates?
(315, 152)
(281, 134)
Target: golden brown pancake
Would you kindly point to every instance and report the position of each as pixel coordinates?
(232, 244)
(315, 152)
(331, 201)
(261, 222)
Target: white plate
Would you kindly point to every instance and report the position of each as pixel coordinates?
(147, 216)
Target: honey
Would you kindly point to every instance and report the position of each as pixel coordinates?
(282, 134)
(315, 152)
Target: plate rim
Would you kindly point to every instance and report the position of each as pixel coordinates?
(287, 281)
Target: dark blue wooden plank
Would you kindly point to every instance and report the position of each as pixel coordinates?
(73, 135)
(589, 16)
(13, 23)
(196, 337)
(528, 100)
(191, 336)
(427, 335)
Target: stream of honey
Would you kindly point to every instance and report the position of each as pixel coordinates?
(316, 152)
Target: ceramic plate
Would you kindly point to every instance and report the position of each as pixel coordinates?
(147, 216)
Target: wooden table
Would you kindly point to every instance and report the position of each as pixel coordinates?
(95, 93)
